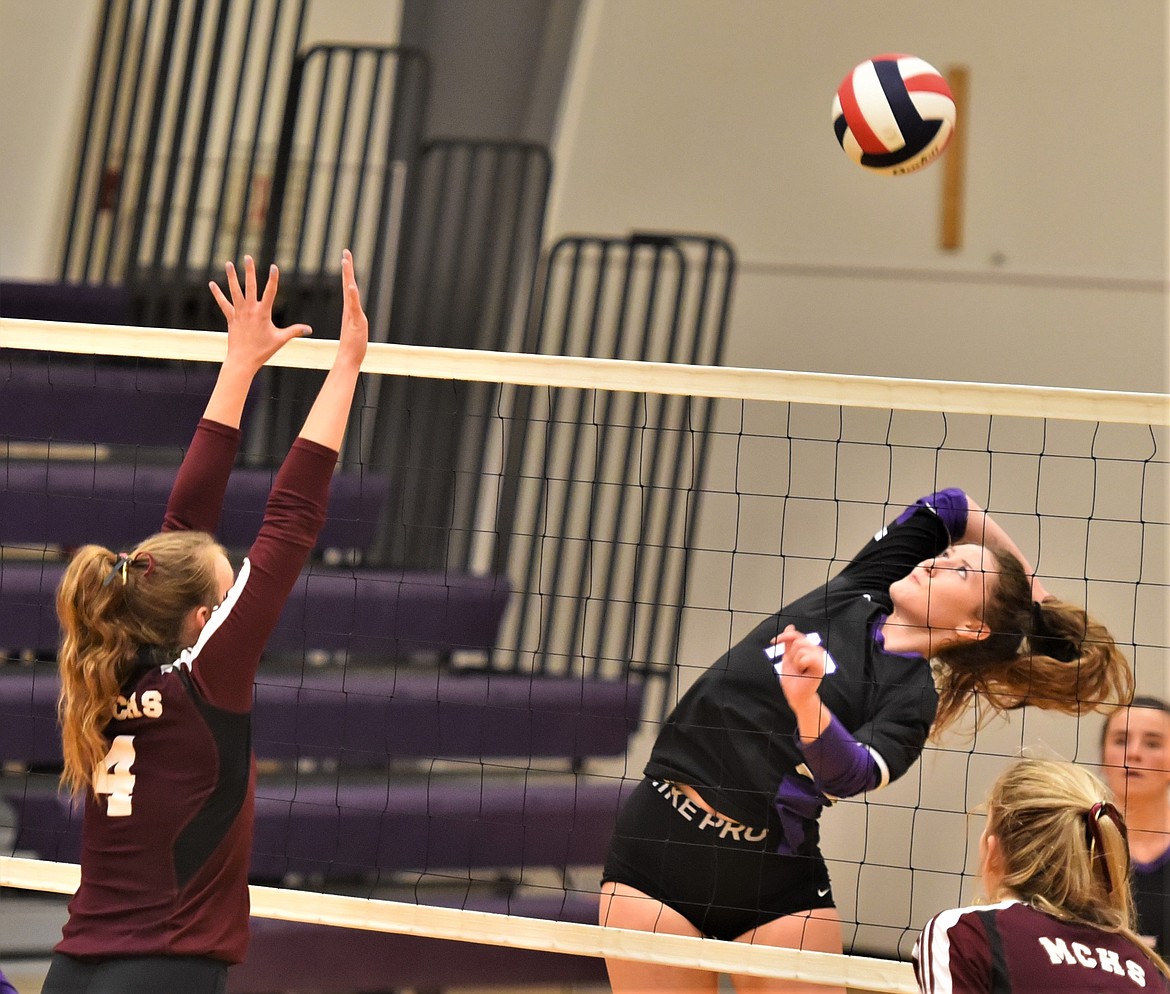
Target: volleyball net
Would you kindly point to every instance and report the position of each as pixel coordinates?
(529, 558)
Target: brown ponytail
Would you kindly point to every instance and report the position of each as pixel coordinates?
(1051, 656)
(109, 606)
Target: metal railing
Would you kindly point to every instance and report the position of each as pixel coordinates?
(210, 135)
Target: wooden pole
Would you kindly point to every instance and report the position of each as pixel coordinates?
(955, 163)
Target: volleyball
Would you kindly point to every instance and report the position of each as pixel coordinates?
(893, 114)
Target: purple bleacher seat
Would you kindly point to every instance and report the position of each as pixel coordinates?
(343, 829)
(28, 716)
(291, 957)
(395, 612)
(364, 716)
(119, 504)
(368, 717)
(348, 829)
(48, 822)
(386, 613)
(79, 302)
(78, 401)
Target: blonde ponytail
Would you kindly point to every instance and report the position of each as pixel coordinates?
(110, 605)
(1064, 846)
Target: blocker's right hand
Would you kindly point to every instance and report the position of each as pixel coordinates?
(253, 339)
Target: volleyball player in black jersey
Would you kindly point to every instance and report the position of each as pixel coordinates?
(159, 651)
(832, 696)
(1054, 862)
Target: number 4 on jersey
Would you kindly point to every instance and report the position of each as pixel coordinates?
(114, 778)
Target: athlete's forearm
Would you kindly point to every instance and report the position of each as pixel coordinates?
(226, 403)
(812, 718)
(196, 499)
(326, 421)
(985, 530)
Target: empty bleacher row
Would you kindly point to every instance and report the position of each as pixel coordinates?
(383, 769)
(399, 744)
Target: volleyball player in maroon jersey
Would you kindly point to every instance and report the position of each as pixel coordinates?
(159, 651)
(1055, 868)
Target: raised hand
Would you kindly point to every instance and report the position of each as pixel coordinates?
(327, 418)
(801, 668)
(355, 328)
(253, 339)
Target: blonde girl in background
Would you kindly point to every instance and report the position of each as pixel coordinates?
(1055, 871)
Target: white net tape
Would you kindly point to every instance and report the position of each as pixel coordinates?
(858, 972)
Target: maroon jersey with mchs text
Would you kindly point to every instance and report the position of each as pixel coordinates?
(167, 835)
(1013, 948)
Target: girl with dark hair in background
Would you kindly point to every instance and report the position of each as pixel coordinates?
(1135, 762)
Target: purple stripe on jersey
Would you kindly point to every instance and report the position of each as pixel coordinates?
(879, 637)
(950, 505)
(798, 803)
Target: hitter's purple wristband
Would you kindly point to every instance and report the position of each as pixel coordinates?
(842, 765)
(950, 505)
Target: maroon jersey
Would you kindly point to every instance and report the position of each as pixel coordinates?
(167, 836)
(1011, 948)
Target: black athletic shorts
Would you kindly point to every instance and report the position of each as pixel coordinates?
(723, 877)
(136, 975)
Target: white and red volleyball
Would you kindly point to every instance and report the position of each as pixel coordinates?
(893, 114)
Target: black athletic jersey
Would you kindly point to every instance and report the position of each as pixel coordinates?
(733, 736)
(1151, 894)
(167, 837)
(1012, 948)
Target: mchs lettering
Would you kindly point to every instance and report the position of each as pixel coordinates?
(1077, 953)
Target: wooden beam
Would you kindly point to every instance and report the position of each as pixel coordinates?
(955, 163)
